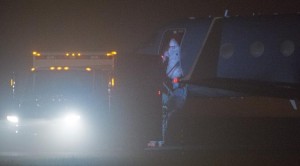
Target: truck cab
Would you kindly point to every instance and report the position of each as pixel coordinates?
(67, 98)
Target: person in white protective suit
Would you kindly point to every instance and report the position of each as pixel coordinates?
(174, 64)
(174, 96)
(174, 99)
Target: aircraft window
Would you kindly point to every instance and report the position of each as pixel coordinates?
(287, 48)
(257, 49)
(227, 50)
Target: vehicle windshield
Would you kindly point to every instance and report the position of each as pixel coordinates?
(63, 83)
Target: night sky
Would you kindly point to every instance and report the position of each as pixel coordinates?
(97, 25)
(53, 25)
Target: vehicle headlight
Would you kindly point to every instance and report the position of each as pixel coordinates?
(71, 119)
(13, 119)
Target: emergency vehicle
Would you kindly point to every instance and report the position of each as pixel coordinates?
(66, 102)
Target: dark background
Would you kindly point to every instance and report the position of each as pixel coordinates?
(94, 25)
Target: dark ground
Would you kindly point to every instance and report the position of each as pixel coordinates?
(174, 157)
(230, 137)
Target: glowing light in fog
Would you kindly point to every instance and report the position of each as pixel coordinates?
(112, 82)
(34, 53)
(13, 119)
(72, 119)
(112, 53)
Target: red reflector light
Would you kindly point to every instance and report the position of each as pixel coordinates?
(176, 80)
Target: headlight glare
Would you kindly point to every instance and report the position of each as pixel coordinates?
(72, 118)
(13, 119)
